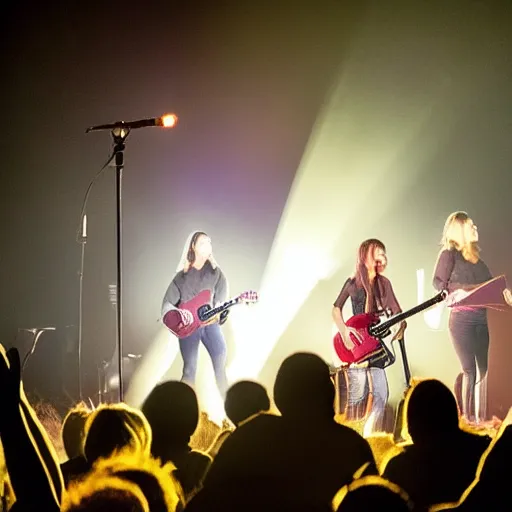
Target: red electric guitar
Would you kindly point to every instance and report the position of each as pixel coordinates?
(372, 330)
(203, 312)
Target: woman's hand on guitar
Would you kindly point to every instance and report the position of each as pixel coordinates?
(347, 340)
(186, 317)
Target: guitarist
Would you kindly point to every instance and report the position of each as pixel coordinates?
(196, 272)
(370, 292)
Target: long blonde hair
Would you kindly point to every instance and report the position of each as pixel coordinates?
(455, 238)
(188, 256)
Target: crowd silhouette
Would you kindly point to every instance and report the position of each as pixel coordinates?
(293, 454)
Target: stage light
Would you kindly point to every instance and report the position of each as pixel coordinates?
(432, 316)
(169, 120)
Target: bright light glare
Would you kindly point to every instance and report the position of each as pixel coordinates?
(169, 120)
(433, 315)
(347, 165)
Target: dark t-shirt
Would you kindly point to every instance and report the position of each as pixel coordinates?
(453, 271)
(186, 285)
(357, 295)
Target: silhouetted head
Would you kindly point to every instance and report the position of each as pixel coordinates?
(303, 387)
(245, 399)
(257, 495)
(431, 411)
(99, 492)
(113, 427)
(157, 482)
(372, 493)
(73, 430)
(491, 490)
(173, 413)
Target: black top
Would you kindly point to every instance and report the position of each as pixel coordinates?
(186, 285)
(358, 296)
(453, 272)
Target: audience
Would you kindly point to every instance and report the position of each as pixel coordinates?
(170, 457)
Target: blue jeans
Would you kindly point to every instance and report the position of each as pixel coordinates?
(213, 340)
(373, 381)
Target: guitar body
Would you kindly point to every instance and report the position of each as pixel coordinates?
(200, 302)
(361, 351)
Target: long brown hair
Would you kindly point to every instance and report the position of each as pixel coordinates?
(189, 255)
(361, 274)
(454, 237)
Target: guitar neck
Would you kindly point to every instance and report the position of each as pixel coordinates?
(221, 307)
(380, 329)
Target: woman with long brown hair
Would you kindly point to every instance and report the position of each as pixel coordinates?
(198, 271)
(459, 269)
(370, 292)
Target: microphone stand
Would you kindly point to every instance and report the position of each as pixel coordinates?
(82, 241)
(119, 134)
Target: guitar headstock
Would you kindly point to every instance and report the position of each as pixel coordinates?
(248, 297)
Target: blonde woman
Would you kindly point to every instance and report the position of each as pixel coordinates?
(199, 271)
(459, 269)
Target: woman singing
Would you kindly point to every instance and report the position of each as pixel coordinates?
(198, 271)
(459, 269)
(369, 292)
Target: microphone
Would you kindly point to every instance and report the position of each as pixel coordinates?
(166, 121)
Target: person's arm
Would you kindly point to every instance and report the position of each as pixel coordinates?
(30, 479)
(443, 271)
(337, 316)
(44, 445)
(337, 308)
(171, 298)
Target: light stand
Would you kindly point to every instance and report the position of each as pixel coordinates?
(82, 241)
